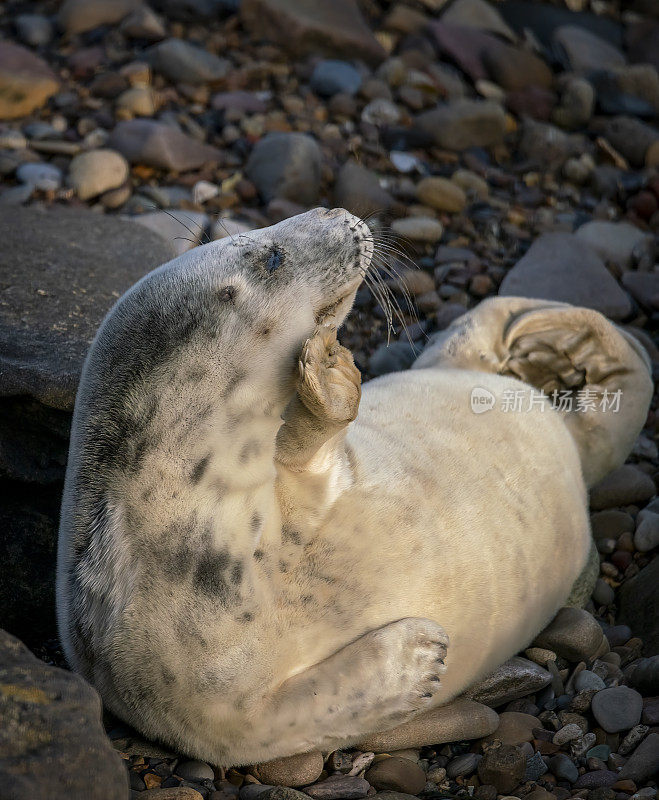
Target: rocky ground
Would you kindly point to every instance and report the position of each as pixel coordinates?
(504, 148)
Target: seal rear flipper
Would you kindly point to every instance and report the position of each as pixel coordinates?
(597, 374)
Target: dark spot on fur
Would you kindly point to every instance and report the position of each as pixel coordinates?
(168, 677)
(283, 566)
(235, 377)
(275, 260)
(249, 450)
(258, 554)
(199, 469)
(209, 574)
(307, 599)
(195, 374)
(289, 536)
(227, 294)
(255, 522)
(246, 617)
(237, 572)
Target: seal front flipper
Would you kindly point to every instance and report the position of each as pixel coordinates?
(380, 680)
(326, 401)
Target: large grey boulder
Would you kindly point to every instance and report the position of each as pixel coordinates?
(52, 742)
(62, 271)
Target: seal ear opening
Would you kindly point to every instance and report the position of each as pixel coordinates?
(559, 348)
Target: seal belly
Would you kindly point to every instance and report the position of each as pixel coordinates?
(486, 518)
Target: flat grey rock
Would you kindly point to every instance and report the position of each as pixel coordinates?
(62, 270)
(559, 266)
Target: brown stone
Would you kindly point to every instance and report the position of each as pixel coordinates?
(503, 767)
(26, 81)
(305, 27)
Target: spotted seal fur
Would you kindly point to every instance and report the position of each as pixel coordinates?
(257, 558)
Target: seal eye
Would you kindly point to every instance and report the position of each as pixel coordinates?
(275, 260)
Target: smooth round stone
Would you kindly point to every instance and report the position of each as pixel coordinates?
(12, 140)
(514, 728)
(392, 357)
(563, 768)
(617, 709)
(458, 720)
(34, 29)
(418, 229)
(626, 485)
(595, 780)
(331, 76)
(397, 774)
(462, 765)
(42, 176)
(603, 593)
(588, 680)
(646, 537)
(97, 171)
(601, 751)
(643, 762)
(298, 770)
(442, 194)
(195, 771)
(573, 634)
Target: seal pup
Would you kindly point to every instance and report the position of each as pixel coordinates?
(256, 559)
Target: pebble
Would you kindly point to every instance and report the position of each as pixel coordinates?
(184, 62)
(41, 176)
(563, 768)
(458, 720)
(397, 774)
(514, 728)
(34, 29)
(442, 194)
(97, 171)
(646, 537)
(535, 767)
(173, 793)
(465, 764)
(559, 266)
(595, 780)
(331, 76)
(502, 767)
(464, 123)
(643, 762)
(79, 16)
(617, 709)
(182, 229)
(603, 593)
(419, 229)
(299, 770)
(632, 739)
(250, 791)
(515, 678)
(615, 242)
(567, 734)
(194, 771)
(381, 111)
(286, 165)
(26, 81)
(573, 634)
(339, 787)
(139, 101)
(155, 144)
(358, 190)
